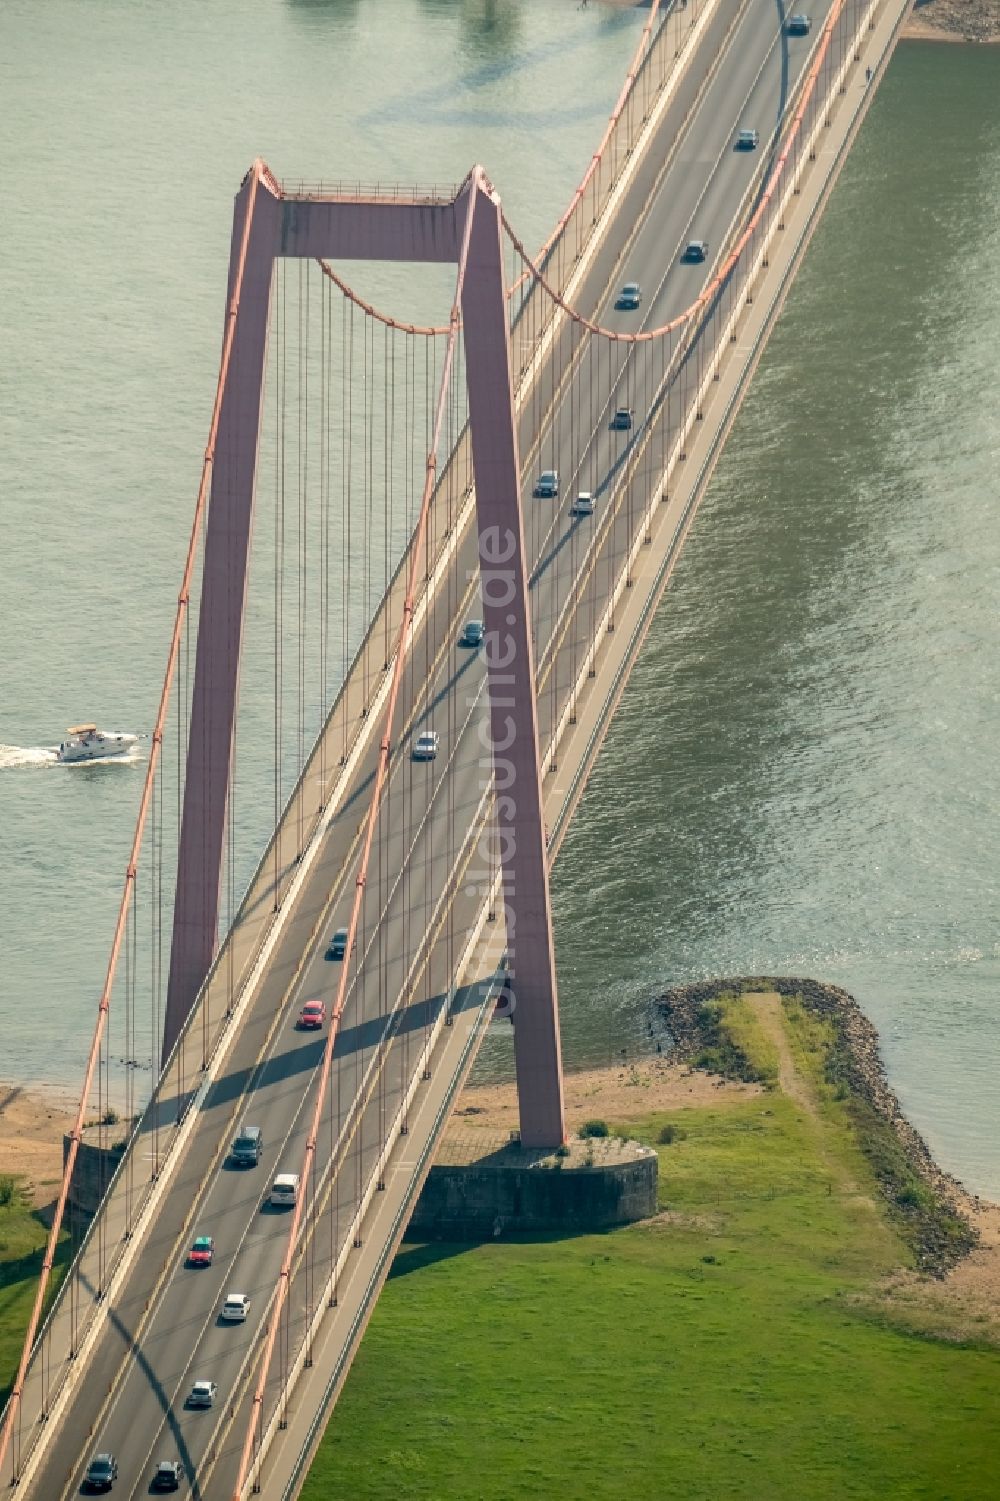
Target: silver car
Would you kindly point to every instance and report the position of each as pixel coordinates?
(425, 747)
(202, 1394)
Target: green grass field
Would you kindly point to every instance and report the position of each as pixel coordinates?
(720, 1351)
(22, 1241)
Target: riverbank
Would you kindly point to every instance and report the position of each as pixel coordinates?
(933, 1208)
(32, 1125)
(954, 21)
(751, 1339)
(954, 1236)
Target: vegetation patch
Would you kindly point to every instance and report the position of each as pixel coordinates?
(709, 1022)
(722, 1049)
(22, 1246)
(720, 1349)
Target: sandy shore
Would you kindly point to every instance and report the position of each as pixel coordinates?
(612, 1094)
(32, 1123)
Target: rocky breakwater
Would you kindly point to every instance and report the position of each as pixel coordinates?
(927, 1202)
(954, 21)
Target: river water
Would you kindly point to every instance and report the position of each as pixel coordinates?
(802, 776)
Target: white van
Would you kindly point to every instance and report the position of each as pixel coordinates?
(285, 1188)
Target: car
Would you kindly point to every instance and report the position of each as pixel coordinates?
(202, 1394)
(622, 420)
(746, 140)
(695, 250)
(284, 1190)
(312, 1015)
(798, 25)
(548, 483)
(425, 747)
(473, 633)
(583, 505)
(235, 1309)
(202, 1252)
(247, 1146)
(629, 297)
(167, 1476)
(102, 1472)
(338, 945)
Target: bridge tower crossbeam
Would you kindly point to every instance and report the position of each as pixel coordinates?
(270, 222)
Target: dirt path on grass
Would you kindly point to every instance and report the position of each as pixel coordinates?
(771, 1016)
(965, 1305)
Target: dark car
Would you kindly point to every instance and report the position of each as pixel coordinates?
(247, 1147)
(168, 1475)
(747, 140)
(629, 297)
(338, 945)
(548, 483)
(473, 633)
(798, 25)
(695, 250)
(622, 420)
(102, 1472)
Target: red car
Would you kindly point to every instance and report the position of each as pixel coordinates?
(313, 1014)
(202, 1251)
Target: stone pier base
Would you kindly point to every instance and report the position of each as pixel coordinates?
(480, 1190)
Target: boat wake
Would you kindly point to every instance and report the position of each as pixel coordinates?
(28, 757)
(14, 757)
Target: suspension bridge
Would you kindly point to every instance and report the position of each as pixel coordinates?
(460, 529)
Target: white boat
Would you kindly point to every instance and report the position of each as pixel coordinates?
(85, 742)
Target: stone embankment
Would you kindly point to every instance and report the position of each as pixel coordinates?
(935, 1217)
(954, 21)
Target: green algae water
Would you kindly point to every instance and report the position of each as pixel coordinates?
(802, 775)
